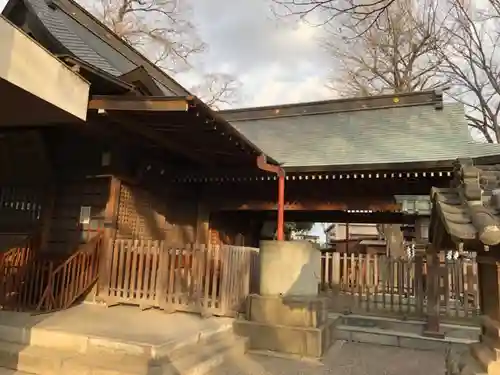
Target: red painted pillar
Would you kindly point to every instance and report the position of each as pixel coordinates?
(281, 207)
(280, 172)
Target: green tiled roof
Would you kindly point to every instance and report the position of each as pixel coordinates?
(419, 133)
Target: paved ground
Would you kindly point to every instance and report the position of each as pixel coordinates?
(342, 359)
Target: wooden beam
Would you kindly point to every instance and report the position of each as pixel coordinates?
(132, 103)
(331, 216)
(354, 205)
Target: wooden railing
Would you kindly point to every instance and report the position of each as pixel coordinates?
(376, 283)
(196, 278)
(13, 268)
(68, 281)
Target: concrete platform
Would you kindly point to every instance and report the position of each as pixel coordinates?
(95, 340)
(119, 329)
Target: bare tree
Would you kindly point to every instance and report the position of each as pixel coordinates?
(162, 31)
(473, 63)
(218, 90)
(362, 11)
(159, 28)
(394, 54)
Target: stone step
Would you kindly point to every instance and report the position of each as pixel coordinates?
(412, 326)
(398, 338)
(195, 359)
(84, 344)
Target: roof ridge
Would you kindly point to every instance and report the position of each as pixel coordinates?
(420, 98)
(61, 6)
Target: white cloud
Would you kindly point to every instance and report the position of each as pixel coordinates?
(277, 61)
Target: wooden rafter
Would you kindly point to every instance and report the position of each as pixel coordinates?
(156, 137)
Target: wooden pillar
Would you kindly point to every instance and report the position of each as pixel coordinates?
(432, 328)
(110, 228)
(202, 224)
(489, 288)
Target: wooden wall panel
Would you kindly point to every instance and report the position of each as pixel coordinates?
(66, 232)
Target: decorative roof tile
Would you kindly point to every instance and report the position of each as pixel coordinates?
(470, 208)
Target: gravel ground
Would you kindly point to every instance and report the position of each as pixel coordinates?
(342, 359)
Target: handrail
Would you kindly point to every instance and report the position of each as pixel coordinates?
(72, 278)
(25, 244)
(13, 265)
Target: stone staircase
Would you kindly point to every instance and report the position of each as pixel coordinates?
(402, 333)
(46, 352)
(482, 358)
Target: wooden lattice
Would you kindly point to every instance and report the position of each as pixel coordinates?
(137, 215)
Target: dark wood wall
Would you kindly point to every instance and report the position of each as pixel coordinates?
(24, 175)
(66, 232)
(80, 180)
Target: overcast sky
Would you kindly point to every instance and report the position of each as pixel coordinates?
(276, 61)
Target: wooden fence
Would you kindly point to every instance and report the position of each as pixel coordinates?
(376, 283)
(209, 280)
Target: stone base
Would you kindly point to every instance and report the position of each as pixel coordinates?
(290, 311)
(292, 325)
(302, 341)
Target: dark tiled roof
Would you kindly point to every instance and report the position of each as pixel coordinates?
(470, 209)
(87, 39)
(397, 134)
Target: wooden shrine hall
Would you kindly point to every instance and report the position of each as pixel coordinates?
(149, 184)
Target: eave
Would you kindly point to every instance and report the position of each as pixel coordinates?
(183, 124)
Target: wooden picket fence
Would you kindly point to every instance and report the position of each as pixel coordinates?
(379, 284)
(211, 280)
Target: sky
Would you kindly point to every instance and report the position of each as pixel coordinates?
(277, 61)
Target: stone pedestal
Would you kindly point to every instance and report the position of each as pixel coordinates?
(289, 268)
(288, 316)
